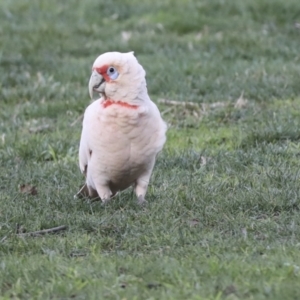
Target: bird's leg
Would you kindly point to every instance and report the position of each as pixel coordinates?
(87, 192)
(104, 193)
(141, 189)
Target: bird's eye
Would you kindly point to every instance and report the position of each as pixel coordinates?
(112, 73)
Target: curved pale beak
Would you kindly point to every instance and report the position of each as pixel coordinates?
(95, 83)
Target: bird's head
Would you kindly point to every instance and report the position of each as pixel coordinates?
(118, 76)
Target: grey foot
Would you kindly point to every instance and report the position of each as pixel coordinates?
(141, 201)
(82, 193)
(87, 192)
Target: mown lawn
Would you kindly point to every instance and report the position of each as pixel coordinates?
(223, 215)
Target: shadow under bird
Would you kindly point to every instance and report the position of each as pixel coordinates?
(122, 131)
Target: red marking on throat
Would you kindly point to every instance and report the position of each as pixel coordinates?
(109, 102)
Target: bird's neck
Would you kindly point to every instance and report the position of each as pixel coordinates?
(132, 96)
(109, 102)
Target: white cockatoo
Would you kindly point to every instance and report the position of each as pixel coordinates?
(122, 131)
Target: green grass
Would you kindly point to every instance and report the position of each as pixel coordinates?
(223, 215)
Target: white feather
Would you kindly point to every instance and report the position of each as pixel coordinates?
(119, 144)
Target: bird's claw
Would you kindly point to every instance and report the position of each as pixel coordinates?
(141, 201)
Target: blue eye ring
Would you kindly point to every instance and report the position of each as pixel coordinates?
(112, 73)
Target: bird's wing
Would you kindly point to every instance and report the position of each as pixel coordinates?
(85, 148)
